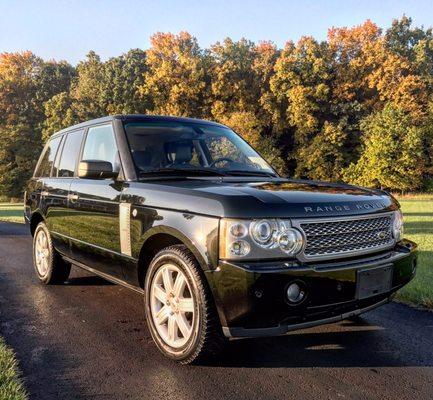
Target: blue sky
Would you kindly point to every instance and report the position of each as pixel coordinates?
(69, 29)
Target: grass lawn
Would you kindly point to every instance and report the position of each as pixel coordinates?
(11, 387)
(11, 212)
(418, 212)
(418, 224)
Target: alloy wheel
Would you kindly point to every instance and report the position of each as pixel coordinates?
(42, 252)
(172, 305)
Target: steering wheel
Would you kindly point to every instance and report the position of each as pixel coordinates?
(227, 159)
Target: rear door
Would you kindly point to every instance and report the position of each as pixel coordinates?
(56, 189)
(43, 186)
(94, 206)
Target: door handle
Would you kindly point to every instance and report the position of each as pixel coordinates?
(73, 197)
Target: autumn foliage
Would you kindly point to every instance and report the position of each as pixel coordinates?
(357, 107)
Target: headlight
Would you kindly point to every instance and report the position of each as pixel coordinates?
(397, 227)
(263, 232)
(290, 241)
(259, 239)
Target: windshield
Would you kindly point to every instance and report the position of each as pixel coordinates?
(167, 147)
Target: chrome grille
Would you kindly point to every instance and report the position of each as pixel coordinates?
(342, 237)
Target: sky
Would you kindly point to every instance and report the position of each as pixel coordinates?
(67, 30)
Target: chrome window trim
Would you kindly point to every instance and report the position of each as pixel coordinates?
(296, 223)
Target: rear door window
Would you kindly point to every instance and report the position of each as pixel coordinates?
(47, 159)
(69, 157)
(55, 169)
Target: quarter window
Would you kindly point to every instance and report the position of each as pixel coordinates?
(70, 152)
(101, 145)
(47, 159)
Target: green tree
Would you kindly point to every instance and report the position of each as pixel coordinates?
(59, 114)
(87, 88)
(302, 85)
(392, 156)
(123, 76)
(18, 155)
(324, 157)
(98, 88)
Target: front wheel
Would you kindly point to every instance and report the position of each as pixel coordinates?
(179, 307)
(49, 266)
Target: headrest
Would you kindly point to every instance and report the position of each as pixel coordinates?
(180, 152)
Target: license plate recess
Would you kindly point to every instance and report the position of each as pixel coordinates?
(374, 281)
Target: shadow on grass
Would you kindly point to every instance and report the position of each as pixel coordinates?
(418, 214)
(11, 213)
(419, 227)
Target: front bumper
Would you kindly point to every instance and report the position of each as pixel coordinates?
(251, 297)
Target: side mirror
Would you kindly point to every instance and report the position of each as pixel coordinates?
(95, 169)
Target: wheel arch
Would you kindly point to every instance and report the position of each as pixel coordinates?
(159, 238)
(35, 219)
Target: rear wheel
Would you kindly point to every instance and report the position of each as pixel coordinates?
(179, 307)
(49, 266)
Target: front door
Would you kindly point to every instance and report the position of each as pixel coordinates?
(94, 207)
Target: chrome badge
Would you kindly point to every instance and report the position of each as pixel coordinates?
(381, 235)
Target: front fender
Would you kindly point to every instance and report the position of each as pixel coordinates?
(199, 233)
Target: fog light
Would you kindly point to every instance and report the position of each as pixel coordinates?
(295, 293)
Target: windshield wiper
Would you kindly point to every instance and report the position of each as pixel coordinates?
(181, 172)
(240, 172)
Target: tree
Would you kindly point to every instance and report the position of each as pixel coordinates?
(123, 76)
(352, 58)
(87, 88)
(401, 38)
(314, 109)
(302, 83)
(26, 82)
(241, 73)
(98, 89)
(324, 157)
(18, 155)
(233, 84)
(176, 80)
(59, 114)
(392, 156)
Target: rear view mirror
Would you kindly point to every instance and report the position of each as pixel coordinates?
(96, 169)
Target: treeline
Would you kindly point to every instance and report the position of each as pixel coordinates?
(357, 107)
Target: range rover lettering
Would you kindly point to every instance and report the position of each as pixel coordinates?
(186, 213)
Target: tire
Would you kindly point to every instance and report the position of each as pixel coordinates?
(53, 269)
(192, 308)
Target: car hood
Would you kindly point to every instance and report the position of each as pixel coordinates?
(244, 198)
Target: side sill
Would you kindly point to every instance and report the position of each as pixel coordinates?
(283, 329)
(104, 275)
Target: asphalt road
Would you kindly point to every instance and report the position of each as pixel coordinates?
(88, 339)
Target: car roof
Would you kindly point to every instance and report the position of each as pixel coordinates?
(136, 118)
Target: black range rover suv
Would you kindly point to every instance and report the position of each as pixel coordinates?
(188, 214)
